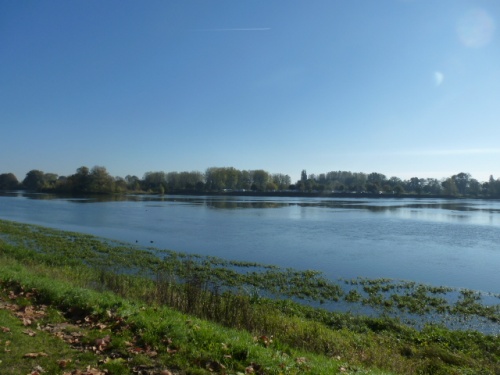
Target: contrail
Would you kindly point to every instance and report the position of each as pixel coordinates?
(237, 29)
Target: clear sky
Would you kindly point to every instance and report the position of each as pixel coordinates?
(401, 87)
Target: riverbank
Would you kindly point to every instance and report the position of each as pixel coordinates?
(248, 193)
(73, 272)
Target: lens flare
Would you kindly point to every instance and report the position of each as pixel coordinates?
(476, 28)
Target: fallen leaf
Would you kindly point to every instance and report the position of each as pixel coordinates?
(63, 362)
(27, 322)
(38, 370)
(35, 355)
(29, 332)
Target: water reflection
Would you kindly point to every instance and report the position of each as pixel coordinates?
(455, 207)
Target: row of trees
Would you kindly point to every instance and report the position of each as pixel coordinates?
(461, 184)
(98, 180)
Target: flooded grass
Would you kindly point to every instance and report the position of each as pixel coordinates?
(263, 301)
(453, 307)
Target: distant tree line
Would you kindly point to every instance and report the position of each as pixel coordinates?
(461, 184)
(228, 179)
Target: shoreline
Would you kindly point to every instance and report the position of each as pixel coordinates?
(277, 194)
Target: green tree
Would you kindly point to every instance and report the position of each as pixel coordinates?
(34, 180)
(215, 179)
(189, 180)
(120, 185)
(376, 178)
(432, 186)
(449, 186)
(462, 182)
(493, 188)
(375, 181)
(303, 176)
(133, 183)
(50, 180)
(394, 181)
(281, 181)
(373, 188)
(398, 189)
(232, 178)
(100, 181)
(174, 182)
(271, 186)
(474, 187)
(260, 178)
(245, 181)
(8, 181)
(153, 180)
(415, 185)
(80, 181)
(357, 182)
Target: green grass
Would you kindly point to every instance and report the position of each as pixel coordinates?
(26, 348)
(167, 310)
(154, 337)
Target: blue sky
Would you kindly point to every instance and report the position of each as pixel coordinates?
(401, 87)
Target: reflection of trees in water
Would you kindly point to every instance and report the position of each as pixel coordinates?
(242, 205)
(350, 205)
(448, 206)
(355, 204)
(90, 198)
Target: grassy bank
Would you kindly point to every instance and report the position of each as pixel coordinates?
(147, 311)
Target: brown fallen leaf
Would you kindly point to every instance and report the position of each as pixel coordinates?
(63, 362)
(37, 370)
(35, 355)
(5, 329)
(27, 322)
(93, 371)
(29, 332)
(102, 343)
(171, 351)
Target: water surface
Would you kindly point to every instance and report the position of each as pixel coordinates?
(436, 241)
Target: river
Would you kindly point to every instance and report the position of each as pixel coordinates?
(434, 241)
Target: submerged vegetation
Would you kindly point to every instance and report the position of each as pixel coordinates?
(160, 309)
